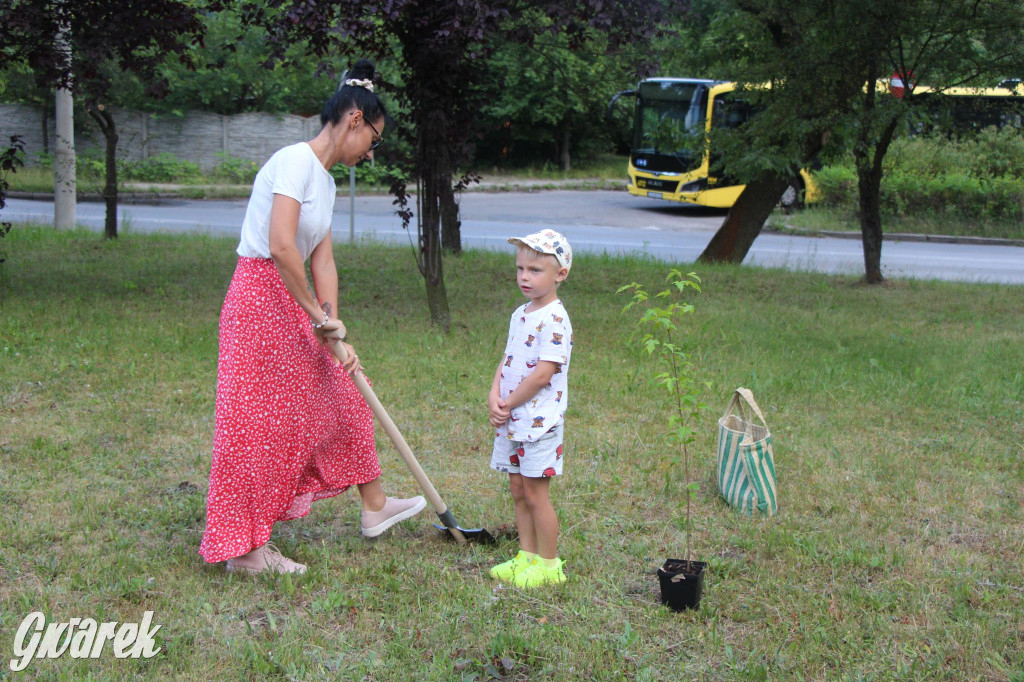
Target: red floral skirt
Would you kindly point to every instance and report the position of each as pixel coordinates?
(291, 427)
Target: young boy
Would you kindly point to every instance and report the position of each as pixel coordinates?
(527, 404)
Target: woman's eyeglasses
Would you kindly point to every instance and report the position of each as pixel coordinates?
(380, 139)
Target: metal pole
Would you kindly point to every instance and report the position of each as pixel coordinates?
(64, 184)
(352, 205)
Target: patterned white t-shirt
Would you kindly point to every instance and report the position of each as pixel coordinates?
(543, 334)
(295, 172)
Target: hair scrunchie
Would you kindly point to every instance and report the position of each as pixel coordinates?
(368, 84)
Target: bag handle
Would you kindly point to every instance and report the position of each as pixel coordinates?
(748, 398)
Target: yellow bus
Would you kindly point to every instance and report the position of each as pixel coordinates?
(673, 118)
(962, 111)
(669, 156)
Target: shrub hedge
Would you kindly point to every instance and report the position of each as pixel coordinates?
(980, 178)
(165, 167)
(378, 174)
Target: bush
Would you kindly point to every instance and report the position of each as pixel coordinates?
(380, 174)
(978, 177)
(163, 167)
(234, 171)
(923, 157)
(837, 185)
(955, 193)
(90, 165)
(999, 153)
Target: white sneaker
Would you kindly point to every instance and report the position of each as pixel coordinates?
(394, 510)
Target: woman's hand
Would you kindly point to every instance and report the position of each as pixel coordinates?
(330, 330)
(351, 362)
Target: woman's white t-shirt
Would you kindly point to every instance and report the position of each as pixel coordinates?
(295, 172)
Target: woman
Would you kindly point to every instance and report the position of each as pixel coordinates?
(290, 425)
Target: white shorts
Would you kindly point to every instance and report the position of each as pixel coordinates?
(541, 458)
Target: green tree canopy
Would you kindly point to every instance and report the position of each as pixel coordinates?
(438, 46)
(822, 61)
(547, 101)
(231, 74)
(102, 38)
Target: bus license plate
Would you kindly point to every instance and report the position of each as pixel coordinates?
(654, 195)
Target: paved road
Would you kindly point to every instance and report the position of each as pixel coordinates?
(599, 221)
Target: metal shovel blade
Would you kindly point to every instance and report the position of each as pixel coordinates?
(454, 531)
(471, 534)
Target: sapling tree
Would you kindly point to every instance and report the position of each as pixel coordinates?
(658, 335)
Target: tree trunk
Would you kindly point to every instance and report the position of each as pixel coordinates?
(435, 178)
(109, 128)
(431, 261)
(451, 226)
(744, 221)
(869, 202)
(564, 158)
(869, 195)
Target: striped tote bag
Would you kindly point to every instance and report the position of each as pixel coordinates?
(746, 466)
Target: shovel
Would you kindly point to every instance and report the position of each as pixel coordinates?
(451, 526)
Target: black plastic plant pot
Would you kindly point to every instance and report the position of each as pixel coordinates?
(681, 586)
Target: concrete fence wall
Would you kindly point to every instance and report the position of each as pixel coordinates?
(199, 137)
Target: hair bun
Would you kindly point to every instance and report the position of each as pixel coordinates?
(355, 91)
(362, 70)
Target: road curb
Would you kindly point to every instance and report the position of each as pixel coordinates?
(147, 198)
(910, 237)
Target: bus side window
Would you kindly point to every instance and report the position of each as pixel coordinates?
(1012, 115)
(729, 112)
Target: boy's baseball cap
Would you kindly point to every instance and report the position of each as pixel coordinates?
(549, 242)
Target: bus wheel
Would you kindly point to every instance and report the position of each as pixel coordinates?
(793, 198)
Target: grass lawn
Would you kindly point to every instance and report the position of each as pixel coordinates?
(40, 179)
(896, 417)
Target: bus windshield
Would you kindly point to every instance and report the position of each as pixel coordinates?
(670, 122)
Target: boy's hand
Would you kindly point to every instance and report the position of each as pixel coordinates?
(497, 411)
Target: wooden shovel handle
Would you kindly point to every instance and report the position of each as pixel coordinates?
(338, 350)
